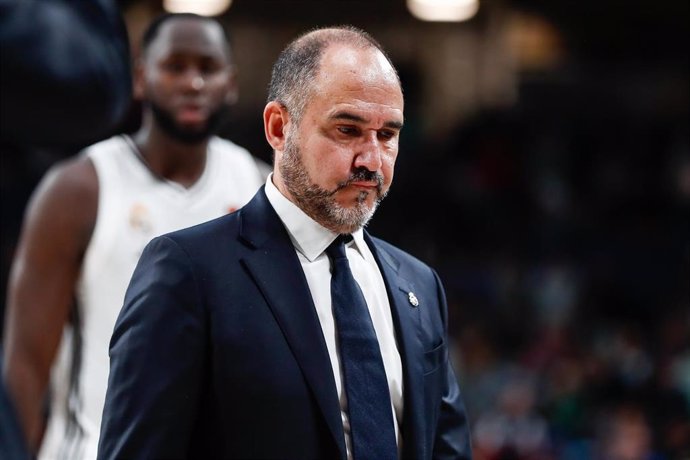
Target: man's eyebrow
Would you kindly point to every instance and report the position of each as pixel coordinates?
(394, 125)
(344, 115)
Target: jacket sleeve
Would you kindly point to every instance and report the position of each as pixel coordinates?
(452, 439)
(156, 360)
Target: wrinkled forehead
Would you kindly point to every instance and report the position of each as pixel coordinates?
(347, 71)
(366, 63)
(190, 36)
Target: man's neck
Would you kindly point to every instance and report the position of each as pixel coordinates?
(169, 158)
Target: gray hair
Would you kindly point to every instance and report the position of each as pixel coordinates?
(294, 72)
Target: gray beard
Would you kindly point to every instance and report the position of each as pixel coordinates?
(320, 204)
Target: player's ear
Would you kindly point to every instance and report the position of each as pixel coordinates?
(276, 120)
(138, 80)
(232, 92)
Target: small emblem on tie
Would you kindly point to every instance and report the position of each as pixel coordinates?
(413, 299)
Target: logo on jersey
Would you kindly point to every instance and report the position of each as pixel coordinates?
(139, 218)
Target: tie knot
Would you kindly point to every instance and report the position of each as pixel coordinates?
(337, 248)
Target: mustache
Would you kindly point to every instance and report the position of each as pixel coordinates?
(362, 175)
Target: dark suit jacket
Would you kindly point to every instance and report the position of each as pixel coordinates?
(218, 351)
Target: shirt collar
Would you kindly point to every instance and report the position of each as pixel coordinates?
(308, 236)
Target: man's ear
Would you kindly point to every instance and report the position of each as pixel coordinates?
(276, 119)
(232, 93)
(139, 81)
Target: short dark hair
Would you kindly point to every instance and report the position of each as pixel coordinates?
(297, 65)
(155, 25)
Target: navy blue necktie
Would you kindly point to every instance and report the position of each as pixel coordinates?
(372, 431)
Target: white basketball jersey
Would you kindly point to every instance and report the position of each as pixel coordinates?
(134, 205)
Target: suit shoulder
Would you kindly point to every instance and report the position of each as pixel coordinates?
(400, 255)
(209, 233)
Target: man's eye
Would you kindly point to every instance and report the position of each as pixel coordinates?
(208, 69)
(209, 66)
(348, 130)
(175, 67)
(386, 135)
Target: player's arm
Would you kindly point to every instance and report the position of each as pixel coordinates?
(56, 230)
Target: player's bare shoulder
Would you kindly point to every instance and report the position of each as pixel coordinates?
(76, 174)
(66, 200)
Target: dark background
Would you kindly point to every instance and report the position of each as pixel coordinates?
(544, 171)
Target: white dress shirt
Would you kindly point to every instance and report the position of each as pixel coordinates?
(311, 240)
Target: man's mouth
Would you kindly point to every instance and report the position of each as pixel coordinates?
(191, 115)
(363, 179)
(364, 184)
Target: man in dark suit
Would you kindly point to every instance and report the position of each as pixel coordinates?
(284, 330)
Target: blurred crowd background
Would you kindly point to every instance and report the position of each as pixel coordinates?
(545, 172)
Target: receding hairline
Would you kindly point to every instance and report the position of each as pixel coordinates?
(337, 34)
(300, 63)
(350, 36)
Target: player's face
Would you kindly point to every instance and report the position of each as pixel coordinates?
(187, 78)
(338, 162)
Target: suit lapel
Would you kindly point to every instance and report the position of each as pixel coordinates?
(276, 270)
(406, 319)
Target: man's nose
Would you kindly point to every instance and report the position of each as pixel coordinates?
(369, 154)
(193, 79)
